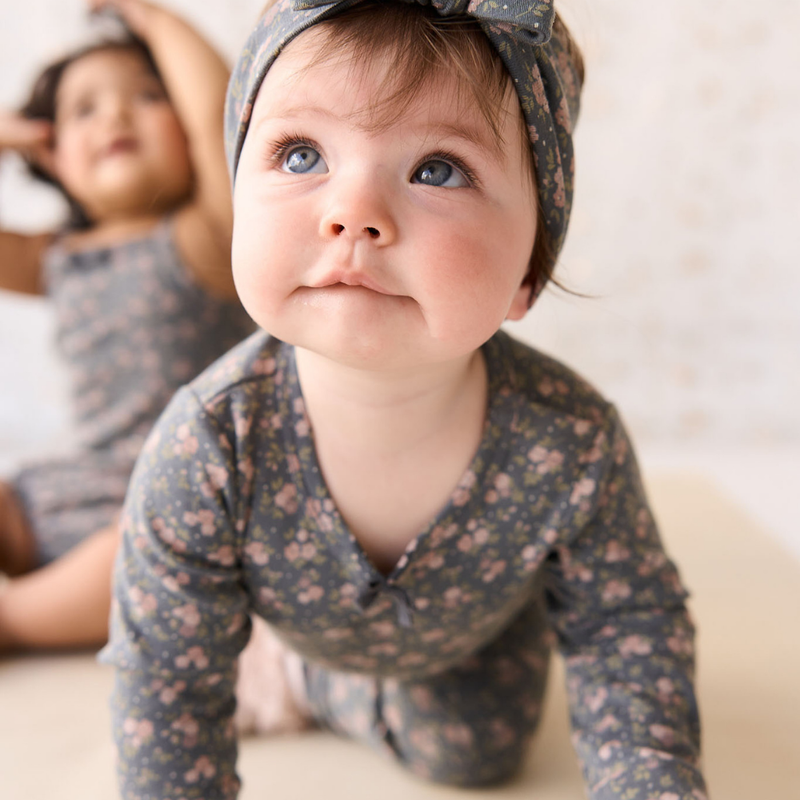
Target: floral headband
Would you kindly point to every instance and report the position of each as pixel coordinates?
(536, 54)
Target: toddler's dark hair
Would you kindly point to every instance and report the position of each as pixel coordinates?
(41, 105)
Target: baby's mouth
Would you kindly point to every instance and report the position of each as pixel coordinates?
(120, 146)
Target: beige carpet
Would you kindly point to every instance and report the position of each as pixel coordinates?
(53, 719)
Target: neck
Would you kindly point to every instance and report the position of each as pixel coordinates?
(382, 413)
(115, 229)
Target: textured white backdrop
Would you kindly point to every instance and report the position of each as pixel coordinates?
(685, 229)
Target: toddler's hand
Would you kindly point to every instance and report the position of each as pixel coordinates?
(29, 137)
(136, 14)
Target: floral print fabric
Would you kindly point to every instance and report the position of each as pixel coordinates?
(132, 327)
(547, 536)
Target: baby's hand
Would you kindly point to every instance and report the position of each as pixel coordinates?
(29, 137)
(136, 14)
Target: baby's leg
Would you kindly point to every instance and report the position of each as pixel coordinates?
(469, 726)
(63, 604)
(17, 544)
(269, 686)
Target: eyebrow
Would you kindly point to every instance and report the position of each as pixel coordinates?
(491, 145)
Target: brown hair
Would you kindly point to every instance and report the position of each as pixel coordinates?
(42, 105)
(421, 45)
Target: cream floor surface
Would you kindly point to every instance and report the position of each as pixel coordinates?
(746, 600)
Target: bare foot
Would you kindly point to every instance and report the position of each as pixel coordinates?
(269, 687)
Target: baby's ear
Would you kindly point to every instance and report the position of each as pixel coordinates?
(520, 303)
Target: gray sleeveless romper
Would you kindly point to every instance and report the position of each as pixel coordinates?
(132, 326)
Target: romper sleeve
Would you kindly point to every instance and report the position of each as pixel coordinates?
(618, 608)
(179, 613)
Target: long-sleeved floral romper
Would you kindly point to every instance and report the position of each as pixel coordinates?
(443, 662)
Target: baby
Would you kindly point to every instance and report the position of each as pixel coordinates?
(417, 505)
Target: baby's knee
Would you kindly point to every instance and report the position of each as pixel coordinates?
(455, 757)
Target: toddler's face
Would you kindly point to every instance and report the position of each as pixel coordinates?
(118, 141)
(381, 249)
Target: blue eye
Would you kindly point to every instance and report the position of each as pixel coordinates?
(304, 159)
(439, 173)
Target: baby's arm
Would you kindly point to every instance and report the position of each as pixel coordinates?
(196, 79)
(618, 608)
(21, 255)
(179, 616)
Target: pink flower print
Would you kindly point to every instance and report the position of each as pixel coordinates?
(595, 701)
(143, 604)
(616, 590)
(194, 655)
(302, 428)
(422, 698)
(635, 646)
(503, 484)
(607, 750)
(383, 649)
(190, 617)
(286, 498)
(437, 634)
(666, 689)
(264, 366)
(245, 467)
(616, 552)
(257, 553)
(424, 740)
(186, 444)
(202, 766)
(680, 644)
(411, 660)
(595, 452)
(189, 727)
(545, 460)
(140, 731)
(550, 536)
(620, 451)
(608, 721)
(292, 463)
(560, 195)
(173, 583)
(337, 634)
(299, 406)
(217, 475)
(583, 488)
(492, 570)
(421, 603)
(311, 595)
(503, 734)
(462, 492)
(431, 561)
(668, 796)
(582, 427)
(382, 630)
(224, 556)
(205, 518)
(663, 734)
(465, 543)
(168, 535)
(458, 734)
(275, 422)
(169, 694)
(292, 551)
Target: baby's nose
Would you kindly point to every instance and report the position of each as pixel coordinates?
(369, 231)
(359, 210)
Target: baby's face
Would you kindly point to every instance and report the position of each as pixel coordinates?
(119, 146)
(379, 249)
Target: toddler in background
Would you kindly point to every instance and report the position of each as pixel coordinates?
(130, 130)
(416, 504)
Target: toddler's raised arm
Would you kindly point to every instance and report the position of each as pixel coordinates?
(617, 605)
(20, 254)
(179, 617)
(196, 80)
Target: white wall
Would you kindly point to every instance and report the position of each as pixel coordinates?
(685, 227)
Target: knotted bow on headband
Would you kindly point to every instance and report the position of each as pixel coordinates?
(534, 50)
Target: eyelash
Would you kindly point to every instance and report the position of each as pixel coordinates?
(282, 146)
